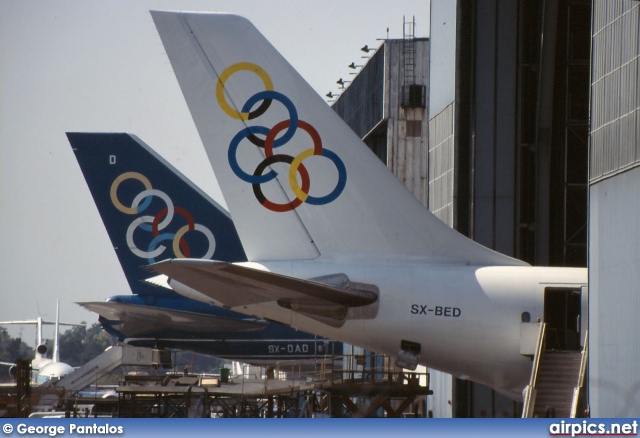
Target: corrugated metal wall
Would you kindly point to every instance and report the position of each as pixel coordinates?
(361, 105)
(441, 164)
(614, 211)
(615, 89)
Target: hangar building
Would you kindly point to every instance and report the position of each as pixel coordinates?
(614, 210)
(503, 155)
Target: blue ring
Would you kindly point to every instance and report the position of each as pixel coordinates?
(293, 113)
(342, 181)
(147, 201)
(233, 160)
(159, 238)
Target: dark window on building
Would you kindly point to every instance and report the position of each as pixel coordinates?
(415, 96)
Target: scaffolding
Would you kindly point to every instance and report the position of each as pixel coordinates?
(336, 386)
(364, 385)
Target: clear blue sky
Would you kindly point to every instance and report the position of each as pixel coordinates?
(82, 65)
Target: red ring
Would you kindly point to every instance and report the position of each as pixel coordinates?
(271, 136)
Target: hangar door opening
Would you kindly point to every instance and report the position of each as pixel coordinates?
(562, 313)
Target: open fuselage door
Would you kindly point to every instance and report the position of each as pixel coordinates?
(565, 313)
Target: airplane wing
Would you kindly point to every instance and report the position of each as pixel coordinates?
(136, 320)
(234, 285)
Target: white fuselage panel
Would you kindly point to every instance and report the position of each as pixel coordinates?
(466, 318)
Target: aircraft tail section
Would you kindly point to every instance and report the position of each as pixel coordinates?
(56, 339)
(298, 182)
(151, 211)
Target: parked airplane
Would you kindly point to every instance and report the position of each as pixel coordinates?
(336, 244)
(45, 368)
(152, 212)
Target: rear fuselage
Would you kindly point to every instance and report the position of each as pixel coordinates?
(467, 319)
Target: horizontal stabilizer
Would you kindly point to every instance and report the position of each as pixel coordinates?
(235, 285)
(158, 281)
(136, 320)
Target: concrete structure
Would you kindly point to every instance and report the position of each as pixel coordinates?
(614, 211)
(386, 105)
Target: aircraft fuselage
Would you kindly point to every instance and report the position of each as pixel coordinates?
(467, 319)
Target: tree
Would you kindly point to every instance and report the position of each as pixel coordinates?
(79, 345)
(11, 350)
(15, 349)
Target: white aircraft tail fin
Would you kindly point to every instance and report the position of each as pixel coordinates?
(298, 182)
(56, 350)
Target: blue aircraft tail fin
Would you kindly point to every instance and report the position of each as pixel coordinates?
(151, 211)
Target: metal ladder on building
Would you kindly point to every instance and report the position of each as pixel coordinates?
(408, 55)
(557, 380)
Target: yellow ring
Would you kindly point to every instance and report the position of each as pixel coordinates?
(114, 190)
(293, 174)
(176, 241)
(222, 100)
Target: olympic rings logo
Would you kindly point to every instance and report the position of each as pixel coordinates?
(270, 142)
(159, 222)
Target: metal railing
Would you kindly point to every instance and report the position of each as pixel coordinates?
(351, 368)
(577, 392)
(530, 390)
